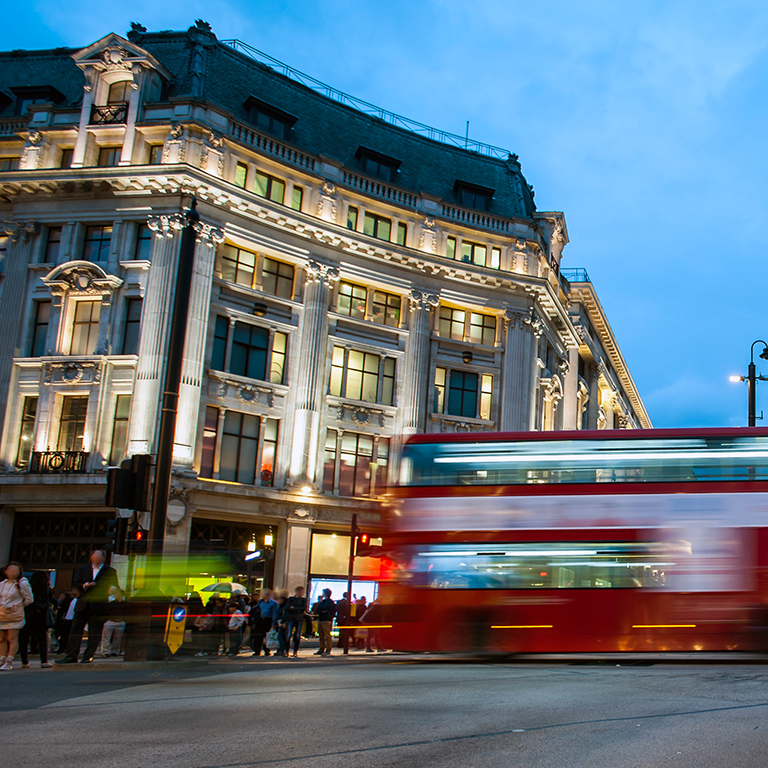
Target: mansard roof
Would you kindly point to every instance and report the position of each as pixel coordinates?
(208, 70)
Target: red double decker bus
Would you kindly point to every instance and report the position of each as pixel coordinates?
(609, 541)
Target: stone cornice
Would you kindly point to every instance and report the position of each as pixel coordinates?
(585, 294)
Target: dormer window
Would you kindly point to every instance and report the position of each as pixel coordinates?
(473, 196)
(269, 119)
(119, 93)
(375, 164)
(38, 94)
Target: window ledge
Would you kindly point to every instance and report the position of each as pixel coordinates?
(449, 423)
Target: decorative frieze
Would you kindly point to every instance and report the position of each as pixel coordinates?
(72, 372)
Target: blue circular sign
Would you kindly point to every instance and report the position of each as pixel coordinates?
(179, 614)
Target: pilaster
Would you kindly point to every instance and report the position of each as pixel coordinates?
(21, 236)
(309, 378)
(154, 332)
(193, 368)
(570, 404)
(519, 370)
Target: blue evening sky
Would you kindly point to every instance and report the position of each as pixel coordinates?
(644, 122)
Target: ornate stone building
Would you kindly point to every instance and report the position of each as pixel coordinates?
(358, 277)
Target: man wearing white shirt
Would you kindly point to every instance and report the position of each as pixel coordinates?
(93, 581)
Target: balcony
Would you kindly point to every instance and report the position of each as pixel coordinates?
(111, 114)
(57, 462)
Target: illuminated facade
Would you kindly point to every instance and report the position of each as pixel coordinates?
(358, 278)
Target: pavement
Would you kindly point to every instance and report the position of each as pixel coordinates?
(387, 710)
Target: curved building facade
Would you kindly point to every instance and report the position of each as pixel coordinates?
(358, 278)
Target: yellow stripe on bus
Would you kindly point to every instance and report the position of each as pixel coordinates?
(523, 626)
(663, 626)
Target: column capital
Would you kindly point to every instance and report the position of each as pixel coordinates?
(20, 230)
(422, 299)
(166, 225)
(208, 234)
(321, 273)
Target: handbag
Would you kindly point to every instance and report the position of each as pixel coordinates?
(273, 640)
(50, 618)
(12, 612)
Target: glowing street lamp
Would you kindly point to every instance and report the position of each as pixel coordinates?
(752, 378)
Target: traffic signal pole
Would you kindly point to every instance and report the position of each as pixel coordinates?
(174, 362)
(351, 573)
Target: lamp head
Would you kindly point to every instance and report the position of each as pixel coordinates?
(764, 354)
(735, 378)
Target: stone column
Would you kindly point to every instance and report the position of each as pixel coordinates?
(298, 541)
(193, 368)
(570, 404)
(414, 380)
(594, 397)
(21, 236)
(310, 374)
(154, 333)
(126, 156)
(537, 329)
(78, 155)
(519, 371)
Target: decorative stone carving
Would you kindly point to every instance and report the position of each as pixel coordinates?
(116, 58)
(176, 132)
(563, 366)
(166, 225)
(20, 230)
(520, 256)
(179, 507)
(623, 420)
(247, 395)
(81, 278)
(535, 323)
(329, 188)
(422, 299)
(316, 272)
(216, 140)
(361, 416)
(327, 207)
(208, 234)
(72, 372)
(175, 148)
(211, 157)
(602, 419)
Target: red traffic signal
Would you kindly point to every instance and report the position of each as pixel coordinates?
(138, 541)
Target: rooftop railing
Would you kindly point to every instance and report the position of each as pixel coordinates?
(462, 142)
(575, 275)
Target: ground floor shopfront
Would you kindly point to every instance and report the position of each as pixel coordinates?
(301, 539)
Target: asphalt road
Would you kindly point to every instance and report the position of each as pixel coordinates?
(384, 712)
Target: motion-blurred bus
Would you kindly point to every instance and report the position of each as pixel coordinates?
(610, 541)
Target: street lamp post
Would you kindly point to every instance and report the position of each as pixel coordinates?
(752, 378)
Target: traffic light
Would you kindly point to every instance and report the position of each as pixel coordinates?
(116, 534)
(367, 545)
(128, 486)
(137, 542)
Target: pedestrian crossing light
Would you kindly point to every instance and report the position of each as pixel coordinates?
(367, 545)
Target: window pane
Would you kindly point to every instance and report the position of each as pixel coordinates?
(297, 198)
(277, 192)
(219, 343)
(401, 233)
(337, 371)
(384, 229)
(369, 225)
(262, 184)
(240, 174)
(495, 258)
(209, 441)
(352, 218)
(72, 424)
(277, 365)
(450, 250)
(27, 432)
(120, 430)
(329, 463)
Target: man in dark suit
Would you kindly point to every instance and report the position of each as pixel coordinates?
(93, 581)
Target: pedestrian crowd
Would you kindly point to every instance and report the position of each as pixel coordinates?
(270, 623)
(274, 623)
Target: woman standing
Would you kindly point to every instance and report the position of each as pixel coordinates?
(35, 620)
(15, 593)
(262, 617)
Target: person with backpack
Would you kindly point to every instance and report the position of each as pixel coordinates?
(295, 611)
(15, 595)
